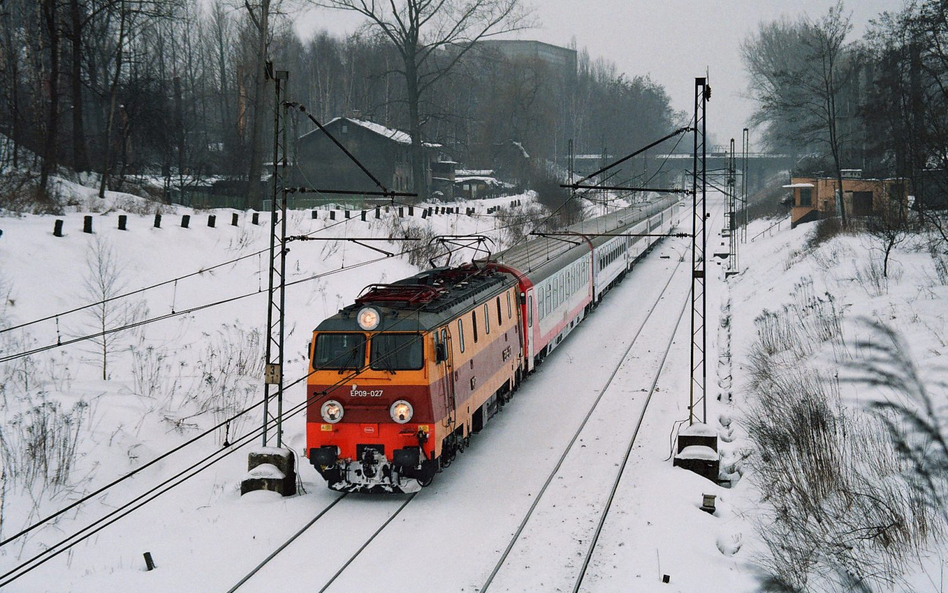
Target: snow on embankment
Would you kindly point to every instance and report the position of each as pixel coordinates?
(72, 418)
(817, 331)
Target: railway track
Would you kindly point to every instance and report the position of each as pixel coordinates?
(330, 534)
(352, 561)
(552, 509)
(317, 527)
(573, 461)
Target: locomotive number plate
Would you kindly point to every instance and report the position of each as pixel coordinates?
(356, 392)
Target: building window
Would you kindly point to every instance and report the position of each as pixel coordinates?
(806, 196)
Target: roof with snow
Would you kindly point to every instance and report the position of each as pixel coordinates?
(392, 134)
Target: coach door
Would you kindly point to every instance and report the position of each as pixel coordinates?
(528, 319)
(447, 377)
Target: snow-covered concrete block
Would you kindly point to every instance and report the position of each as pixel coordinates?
(697, 434)
(700, 459)
(270, 468)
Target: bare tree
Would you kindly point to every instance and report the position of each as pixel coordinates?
(799, 75)
(431, 37)
(259, 15)
(103, 283)
(889, 228)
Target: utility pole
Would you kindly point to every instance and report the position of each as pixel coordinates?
(273, 454)
(699, 305)
(745, 147)
(277, 299)
(733, 266)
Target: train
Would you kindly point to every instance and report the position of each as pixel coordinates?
(401, 378)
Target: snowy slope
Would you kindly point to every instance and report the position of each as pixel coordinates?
(165, 380)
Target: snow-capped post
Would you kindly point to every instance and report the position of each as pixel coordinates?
(314, 214)
(424, 213)
(411, 211)
(149, 562)
(123, 222)
(332, 215)
(185, 221)
(255, 218)
(87, 224)
(157, 220)
(233, 219)
(401, 212)
(347, 214)
(363, 216)
(58, 228)
(378, 213)
(211, 220)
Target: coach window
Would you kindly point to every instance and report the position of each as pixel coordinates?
(486, 320)
(461, 334)
(530, 311)
(541, 311)
(549, 298)
(474, 323)
(500, 315)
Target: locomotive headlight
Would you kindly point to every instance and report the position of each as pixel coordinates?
(368, 318)
(331, 411)
(401, 411)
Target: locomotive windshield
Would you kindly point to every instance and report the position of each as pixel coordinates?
(339, 351)
(397, 352)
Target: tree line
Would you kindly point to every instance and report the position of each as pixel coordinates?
(877, 103)
(175, 89)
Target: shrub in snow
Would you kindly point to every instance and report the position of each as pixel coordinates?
(840, 507)
(229, 370)
(38, 445)
(914, 415)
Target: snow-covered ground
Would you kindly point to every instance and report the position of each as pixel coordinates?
(167, 381)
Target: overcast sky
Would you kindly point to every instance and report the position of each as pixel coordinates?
(672, 40)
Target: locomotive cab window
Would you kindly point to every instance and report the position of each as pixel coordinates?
(461, 334)
(397, 352)
(486, 320)
(339, 351)
(474, 324)
(500, 315)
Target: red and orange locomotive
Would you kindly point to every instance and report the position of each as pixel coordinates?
(402, 377)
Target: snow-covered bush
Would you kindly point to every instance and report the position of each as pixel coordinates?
(39, 445)
(230, 372)
(840, 508)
